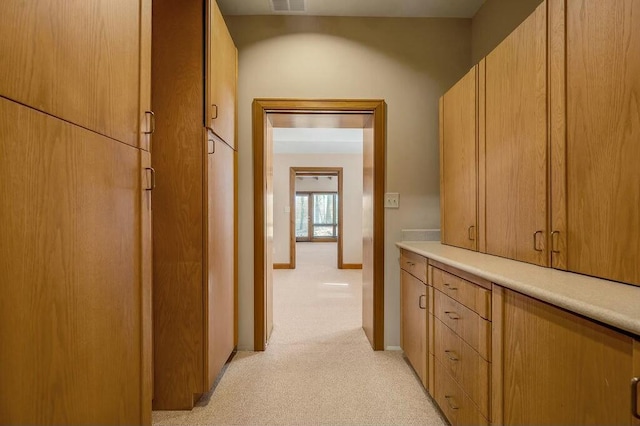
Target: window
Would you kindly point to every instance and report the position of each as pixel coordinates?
(316, 216)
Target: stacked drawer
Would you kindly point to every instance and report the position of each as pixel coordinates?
(461, 345)
(413, 311)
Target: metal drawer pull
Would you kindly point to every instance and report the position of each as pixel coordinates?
(453, 357)
(453, 404)
(410, 263)
(153, 179)
(452, 315)
(152, 121)
(449, 286)
(471, 235)
(634, 397)
(553, 242)
(535, 240)
(420, 301)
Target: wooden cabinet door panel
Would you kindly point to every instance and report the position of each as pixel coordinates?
(516, 144)
(222, 75)
(603, 134)
(560, 368)
(458, 164)
(79, 62)
(70, 311)
(221, 253)
(413, 338)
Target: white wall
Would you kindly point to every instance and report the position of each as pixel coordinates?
(408, 62)
(351, 199)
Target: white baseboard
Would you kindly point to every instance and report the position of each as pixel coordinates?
(393, 348)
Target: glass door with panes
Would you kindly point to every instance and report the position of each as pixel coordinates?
(316, 216)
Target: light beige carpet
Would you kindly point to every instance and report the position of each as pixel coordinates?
(318, 368)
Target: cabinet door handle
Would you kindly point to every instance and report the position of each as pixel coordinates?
(216, 110)
(449, 286)
(151, 121)
(471, 234)
(410, 263)
(453, 404)
(451, 355)
(153, 179)
(554, 240)
(420, 301)
(213, 141)
(535, 240)
(634, 397)
(452, 315)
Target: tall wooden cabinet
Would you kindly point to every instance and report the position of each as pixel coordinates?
(515, 151)
(458, 163)
(75, 208)
(594, 68)
(194, 206)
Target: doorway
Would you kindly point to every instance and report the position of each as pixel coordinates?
(315, 215)
(367, 115)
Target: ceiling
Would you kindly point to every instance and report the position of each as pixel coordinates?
(317, 141)
(378, 8)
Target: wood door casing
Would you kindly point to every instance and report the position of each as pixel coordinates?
(222, 78)
(516, 144)
(603, 130)
(220, 286)
(560, 368)
(458, 164)
(70, 253)
(79, 62)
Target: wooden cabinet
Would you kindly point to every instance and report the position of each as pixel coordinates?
(414, 316)
(461, 345)
(594, 68)
(73, 308)
(515, 153)
(557, 367)
(458, 163)
(194, 215)
(80, 62)
(222, 71)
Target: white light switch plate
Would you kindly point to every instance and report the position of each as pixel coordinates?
(392, 200)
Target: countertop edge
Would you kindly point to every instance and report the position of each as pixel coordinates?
(588, 309)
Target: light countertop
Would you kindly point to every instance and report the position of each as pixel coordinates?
(606, 301)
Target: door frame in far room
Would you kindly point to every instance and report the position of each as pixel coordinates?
(369, 115)
(312, 171)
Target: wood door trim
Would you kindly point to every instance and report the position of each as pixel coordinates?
(260, 109)
(311, 171)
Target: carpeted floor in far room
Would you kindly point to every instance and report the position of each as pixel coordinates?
(318, 368)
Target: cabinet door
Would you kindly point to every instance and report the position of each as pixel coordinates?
(222, 75)
(413, 337)
(221, 259)
(559, 368)
(458, 149)
(70, 311)
(601, 234)
(515, 151)
(77, 60)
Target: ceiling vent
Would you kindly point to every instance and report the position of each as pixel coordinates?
(295, 6)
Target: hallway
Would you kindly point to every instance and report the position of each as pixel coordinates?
(318, 367)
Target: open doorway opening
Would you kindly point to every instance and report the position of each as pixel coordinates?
(369, 116)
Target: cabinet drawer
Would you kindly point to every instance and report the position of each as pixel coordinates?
(454, 403)
(414, 264)
(473, 329)
(464, 364)
(474, 297)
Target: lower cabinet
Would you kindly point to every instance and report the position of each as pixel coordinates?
(560, 368)
(413, 337)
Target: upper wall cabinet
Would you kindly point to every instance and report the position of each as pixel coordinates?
(80, 62)
(514, 156)
(222, 66)
(458, 163)
(595, 137)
